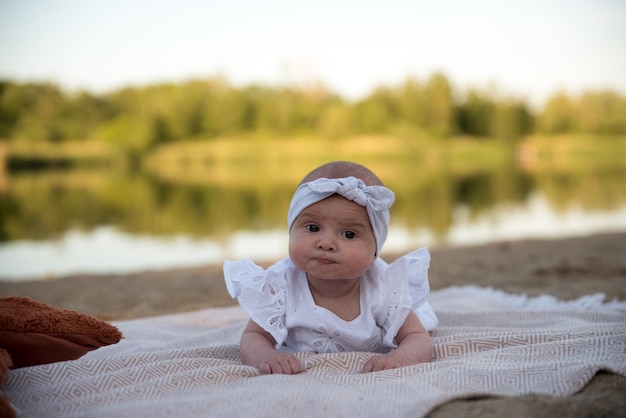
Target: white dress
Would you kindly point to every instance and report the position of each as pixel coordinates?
(279, 300)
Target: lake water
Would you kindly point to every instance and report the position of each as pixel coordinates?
(106, 249)
(70, 222)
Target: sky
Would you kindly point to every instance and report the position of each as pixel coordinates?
(527, 48)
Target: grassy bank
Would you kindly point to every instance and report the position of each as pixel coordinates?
(567, 152)
(286, 158)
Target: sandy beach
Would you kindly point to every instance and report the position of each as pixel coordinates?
(566, 268)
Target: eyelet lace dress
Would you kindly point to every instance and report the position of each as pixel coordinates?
(279, 300)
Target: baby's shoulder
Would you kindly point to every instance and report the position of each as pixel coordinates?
(246, 274)
(411, 267)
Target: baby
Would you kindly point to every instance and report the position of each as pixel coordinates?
(333, 293)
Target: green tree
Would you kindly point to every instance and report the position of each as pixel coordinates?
(475, 114)
(130, 125)
(43, 113)
(336, 121)
(602, 113)
(440, 119)
(412, 105)
(511, 120)
(13, 101)
(559, 115)
(85, 113)
(378, 112)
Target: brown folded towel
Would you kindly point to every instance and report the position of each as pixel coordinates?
(36, 333)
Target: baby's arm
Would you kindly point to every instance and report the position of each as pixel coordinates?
(257, 349)
(414, 346)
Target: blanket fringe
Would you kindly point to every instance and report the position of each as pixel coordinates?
(443, 300)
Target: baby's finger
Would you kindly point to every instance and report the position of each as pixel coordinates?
(266, 367)
(290, 365)
(296, 365)
(379, 363)
(370, 365)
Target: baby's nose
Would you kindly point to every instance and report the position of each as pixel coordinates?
(327, 243)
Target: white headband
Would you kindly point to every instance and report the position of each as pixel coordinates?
(376, 199)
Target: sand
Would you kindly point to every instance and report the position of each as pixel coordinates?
(566, 268)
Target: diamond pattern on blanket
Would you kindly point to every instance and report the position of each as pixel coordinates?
(198, 373)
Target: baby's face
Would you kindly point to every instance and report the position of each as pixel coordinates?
(333, 239)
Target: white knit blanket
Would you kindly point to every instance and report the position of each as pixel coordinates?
(187, 365)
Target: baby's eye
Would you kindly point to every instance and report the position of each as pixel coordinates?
(350, 234)
(312, 228)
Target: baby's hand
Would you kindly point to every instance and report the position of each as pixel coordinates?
(378, 363)
(281, 363)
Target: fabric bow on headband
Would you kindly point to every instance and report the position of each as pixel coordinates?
(376, 199)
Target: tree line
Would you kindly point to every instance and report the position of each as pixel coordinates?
(135, 119)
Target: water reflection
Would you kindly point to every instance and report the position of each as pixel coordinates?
(108, 250)
(63, 222)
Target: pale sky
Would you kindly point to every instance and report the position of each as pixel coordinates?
(528, 48)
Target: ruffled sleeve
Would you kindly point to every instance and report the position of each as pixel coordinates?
(406, 287)
(419, 287)
(261, 294)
